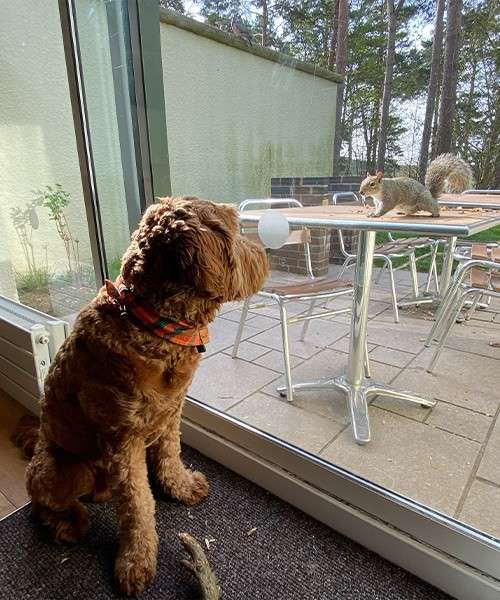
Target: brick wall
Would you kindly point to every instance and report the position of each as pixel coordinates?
(325, 249)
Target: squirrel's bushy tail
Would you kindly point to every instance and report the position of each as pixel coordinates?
(448, 172)
(25, 434)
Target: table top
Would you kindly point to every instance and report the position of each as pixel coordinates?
(488, 201)
(452, 222)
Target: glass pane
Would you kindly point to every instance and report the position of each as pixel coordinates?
(245, 122)
(45, 253)
(104, 44)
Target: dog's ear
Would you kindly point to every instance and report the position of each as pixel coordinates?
(182, 241)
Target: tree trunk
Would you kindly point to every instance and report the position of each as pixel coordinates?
(432, 89)
(469, 110)
(388, 77)
(333, 38)
(341, 63)
(265, 23)
(447, 106)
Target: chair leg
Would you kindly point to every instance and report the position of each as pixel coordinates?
(432, 271)
(244, 313)
(413, 273)
(368, 372)
(381, 270)
(447, 302)
(453, 315)
(305, 326)
(473, 306)
(347, 263)
(393, 291)
(286, 352)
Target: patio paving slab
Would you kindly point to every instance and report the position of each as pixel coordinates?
(470, 337)
(426, 464)
(321, 333)
(489, 468)
(408, 335)
(342, 345)
(223, 333)
(221, 381)
(402, 408)
(274, 360)
(287, 422)
(248, 351)
(389, 356)
(461, 421)
(482, 508)
(466, 380)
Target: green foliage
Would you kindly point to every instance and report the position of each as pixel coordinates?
(176, 5)
(114, 267)
(35, 279)
(56, 200)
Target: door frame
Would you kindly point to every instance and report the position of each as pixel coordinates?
(329, 493)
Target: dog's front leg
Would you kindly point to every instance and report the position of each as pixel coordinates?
(183, 484)
(136, 561)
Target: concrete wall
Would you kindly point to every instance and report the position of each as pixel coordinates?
(235, 119)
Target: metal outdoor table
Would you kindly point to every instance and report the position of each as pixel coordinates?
(461, 202)
(453, 223)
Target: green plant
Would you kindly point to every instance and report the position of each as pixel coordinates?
(25, 221)
(55, 200)
(32, 280)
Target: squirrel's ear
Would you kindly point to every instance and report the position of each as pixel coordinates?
(379, 175)
(368, 174)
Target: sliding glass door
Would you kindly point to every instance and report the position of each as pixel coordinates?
(155, 102)
(46, 257)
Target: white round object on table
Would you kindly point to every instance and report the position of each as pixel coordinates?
(273, 229)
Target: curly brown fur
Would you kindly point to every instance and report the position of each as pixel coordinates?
(25, 434)
(114, 393)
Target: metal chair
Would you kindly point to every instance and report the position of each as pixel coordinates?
(313, 289)
(393, 248)
(484, 271)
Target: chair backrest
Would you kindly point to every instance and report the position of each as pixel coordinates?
(300, 236)
(350, 199)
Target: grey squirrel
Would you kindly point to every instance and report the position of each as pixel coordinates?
(409, 196)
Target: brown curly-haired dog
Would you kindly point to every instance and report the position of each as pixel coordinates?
(115, 391)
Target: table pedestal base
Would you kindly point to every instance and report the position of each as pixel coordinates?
(357, 397)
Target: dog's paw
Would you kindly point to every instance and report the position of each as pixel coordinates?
(134, 571)
(68, 526)
(191, 489)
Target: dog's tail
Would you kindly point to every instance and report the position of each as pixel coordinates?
(25, 434)
(449, 172)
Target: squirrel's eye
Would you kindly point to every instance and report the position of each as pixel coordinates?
(372, 184)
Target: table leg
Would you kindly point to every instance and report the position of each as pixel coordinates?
(355, 371)
(357, 388)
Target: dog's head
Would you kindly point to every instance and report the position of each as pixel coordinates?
(190, 248)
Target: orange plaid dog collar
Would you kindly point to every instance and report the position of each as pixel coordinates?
(177, 332)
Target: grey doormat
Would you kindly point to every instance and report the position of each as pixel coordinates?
(262, 549)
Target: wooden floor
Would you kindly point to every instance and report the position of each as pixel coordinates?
(12, 465)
